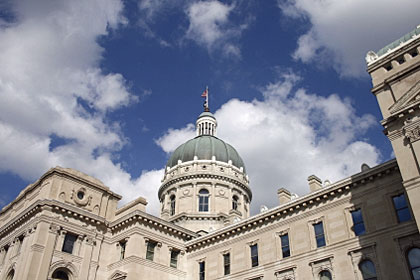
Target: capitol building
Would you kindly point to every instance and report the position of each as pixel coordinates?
(68, 225)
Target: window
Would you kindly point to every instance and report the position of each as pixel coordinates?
(235, 202)
(401, 208)
(325, 275)
(414, 262)
(226, 263)
(319, 234)
(367, 268)
(358, 225)
(202, 270)
(285, 247)
(60, 274)
(174, 258)
(11, 275)
(172, 205)
(68, 244)
(150, 252)
(122, 247)
(203, 200)
(254, 255)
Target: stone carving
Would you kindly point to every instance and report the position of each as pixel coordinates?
(80, 197)
(287, 274)
(371, 56)
(412, 134)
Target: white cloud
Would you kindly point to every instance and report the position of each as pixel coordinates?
(175, 137)
(209, 26)
(289, 135)
(52, 86)
(342, 32)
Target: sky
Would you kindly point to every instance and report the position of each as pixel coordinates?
(112, 87)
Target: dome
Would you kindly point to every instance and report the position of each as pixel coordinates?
(206, 114)
(205, 147)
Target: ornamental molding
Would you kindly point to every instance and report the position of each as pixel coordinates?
(412, 134)
(286, 274)
(323, 264)
(118, 275)
(407, 100)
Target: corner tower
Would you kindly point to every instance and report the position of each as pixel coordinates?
(205, 185)
(395, 72)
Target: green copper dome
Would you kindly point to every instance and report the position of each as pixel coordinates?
(204, 147)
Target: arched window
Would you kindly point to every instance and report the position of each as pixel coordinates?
(10, 275)
(60, 274)
(172, 198)
(203, 200)
(235, 202)
(325, 275)
(414, 262)
(368, 270)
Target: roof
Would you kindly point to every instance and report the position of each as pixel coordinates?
(205, 147)
(206, 114)
(400, 41)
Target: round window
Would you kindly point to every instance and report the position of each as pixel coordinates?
(80, 195)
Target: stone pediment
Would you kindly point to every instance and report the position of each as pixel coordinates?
(408, 99)
(118, 275)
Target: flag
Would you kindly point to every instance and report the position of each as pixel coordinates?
(204, 94)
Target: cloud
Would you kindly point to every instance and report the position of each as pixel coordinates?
(175, 137)
(55, 98)
(210, 27)
(342, 32)
(289, 135)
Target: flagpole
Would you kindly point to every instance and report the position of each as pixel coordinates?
(207, 98)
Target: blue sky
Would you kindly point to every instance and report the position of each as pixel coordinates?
(112, 87)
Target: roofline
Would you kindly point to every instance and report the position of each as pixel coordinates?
(60, 171)
(295, 205)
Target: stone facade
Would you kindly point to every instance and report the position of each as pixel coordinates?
(67, 225)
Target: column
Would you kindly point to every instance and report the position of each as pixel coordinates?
(88, 243)
(41, 251)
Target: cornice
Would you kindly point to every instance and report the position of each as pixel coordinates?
(204, 176)
(396, 76)
(53, 206)
(198, 216)
(392, 54)
(149, 220)
(142, 261)
(295, 206)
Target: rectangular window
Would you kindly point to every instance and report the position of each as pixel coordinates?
(174, 258)
(68, 244)
(226, 263)
(401, 208)
(122, 246)
(285, 246)
(150, 252)
(202, 270)
(254, 255)
(319, 234)
(358, 224)
(203, 204)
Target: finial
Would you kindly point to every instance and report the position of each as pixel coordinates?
(206, 102)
